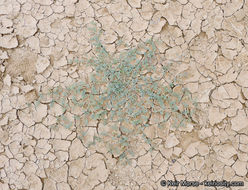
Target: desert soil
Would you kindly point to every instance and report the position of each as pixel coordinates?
(39, 37)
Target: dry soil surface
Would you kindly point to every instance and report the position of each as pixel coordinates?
(39, 37)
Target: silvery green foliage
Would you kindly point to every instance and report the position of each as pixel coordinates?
(129, 98)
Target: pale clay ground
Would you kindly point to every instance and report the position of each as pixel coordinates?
(39, 36)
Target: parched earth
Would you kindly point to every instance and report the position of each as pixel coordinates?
(39, 37)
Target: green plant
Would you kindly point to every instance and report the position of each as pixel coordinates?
(121, 95)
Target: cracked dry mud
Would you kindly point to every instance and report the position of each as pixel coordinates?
(38, 37)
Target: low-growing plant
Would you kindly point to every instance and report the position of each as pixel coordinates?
(120, 96)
